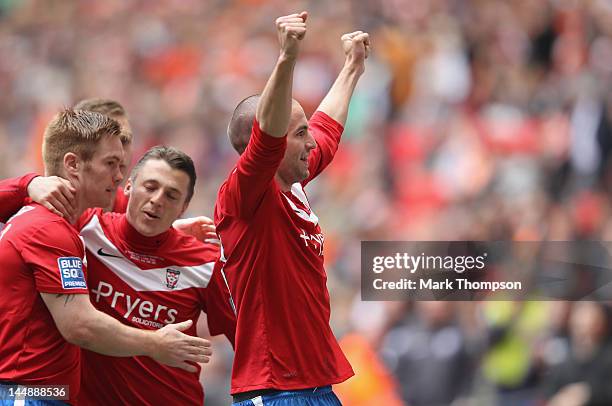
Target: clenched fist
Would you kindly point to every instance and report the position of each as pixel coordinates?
(356, 46)
(291, 30)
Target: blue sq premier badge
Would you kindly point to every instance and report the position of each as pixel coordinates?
(71, 271)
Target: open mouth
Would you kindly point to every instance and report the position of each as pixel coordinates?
(150, 216)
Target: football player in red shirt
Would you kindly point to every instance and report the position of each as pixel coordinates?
(145, 273)
(57, 194)
(43, 287)
(272, 244)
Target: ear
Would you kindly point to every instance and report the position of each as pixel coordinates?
(72, 164)
(127, 189)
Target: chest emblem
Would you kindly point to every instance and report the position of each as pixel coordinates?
(172, 278)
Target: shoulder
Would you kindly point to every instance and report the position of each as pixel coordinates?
(108, 217)
(36, 219)
(92, 215)
(224, 185)
(38, 227)
(227, 187)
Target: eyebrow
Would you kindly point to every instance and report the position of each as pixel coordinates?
(117, 157)
(174, 190)
(170, 188)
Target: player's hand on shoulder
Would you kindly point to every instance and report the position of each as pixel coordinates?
(291, 29)
(201, 227)
(176, 348)
(356, 46)
(55, 193)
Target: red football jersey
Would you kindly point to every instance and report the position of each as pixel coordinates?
(145, 282)
(13, 193)
(106, 385)
(273, 253)
(39, 252)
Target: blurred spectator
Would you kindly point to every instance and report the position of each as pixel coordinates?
(428, 354)
(513, 329)
(475, 119)
(584, 378)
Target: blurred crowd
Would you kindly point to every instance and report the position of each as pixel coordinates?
(475, 120)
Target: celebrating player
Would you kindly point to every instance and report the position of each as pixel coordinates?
(272, 244)
(43, 286)
(147, 274)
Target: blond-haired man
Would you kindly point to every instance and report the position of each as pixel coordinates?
(43, 291)
(58, 194)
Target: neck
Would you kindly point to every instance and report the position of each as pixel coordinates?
(139, 240)
(284, 186)
(80, 203)
(81, 207)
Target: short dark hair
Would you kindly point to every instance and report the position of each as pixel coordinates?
(175, 158)
(239, 128)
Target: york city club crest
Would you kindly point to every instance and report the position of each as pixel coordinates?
(172, 278)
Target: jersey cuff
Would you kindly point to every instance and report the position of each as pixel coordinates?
(322, 117)
(267, 139)
(25, 180)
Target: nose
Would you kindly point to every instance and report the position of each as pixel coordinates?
(310, 142)
(118, 175)
(156, 197)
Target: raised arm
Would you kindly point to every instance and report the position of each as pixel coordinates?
(327, 124)
(81, 324)
(274, 107)
(356, 46)
(265, 140)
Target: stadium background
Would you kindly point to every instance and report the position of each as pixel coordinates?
(484, 120)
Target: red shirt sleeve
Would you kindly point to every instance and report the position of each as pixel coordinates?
(13, 193)
(327, 133)
(55, 254)
(218, 306)
(254, 173)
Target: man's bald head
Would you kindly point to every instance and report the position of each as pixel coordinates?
(239, 128)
